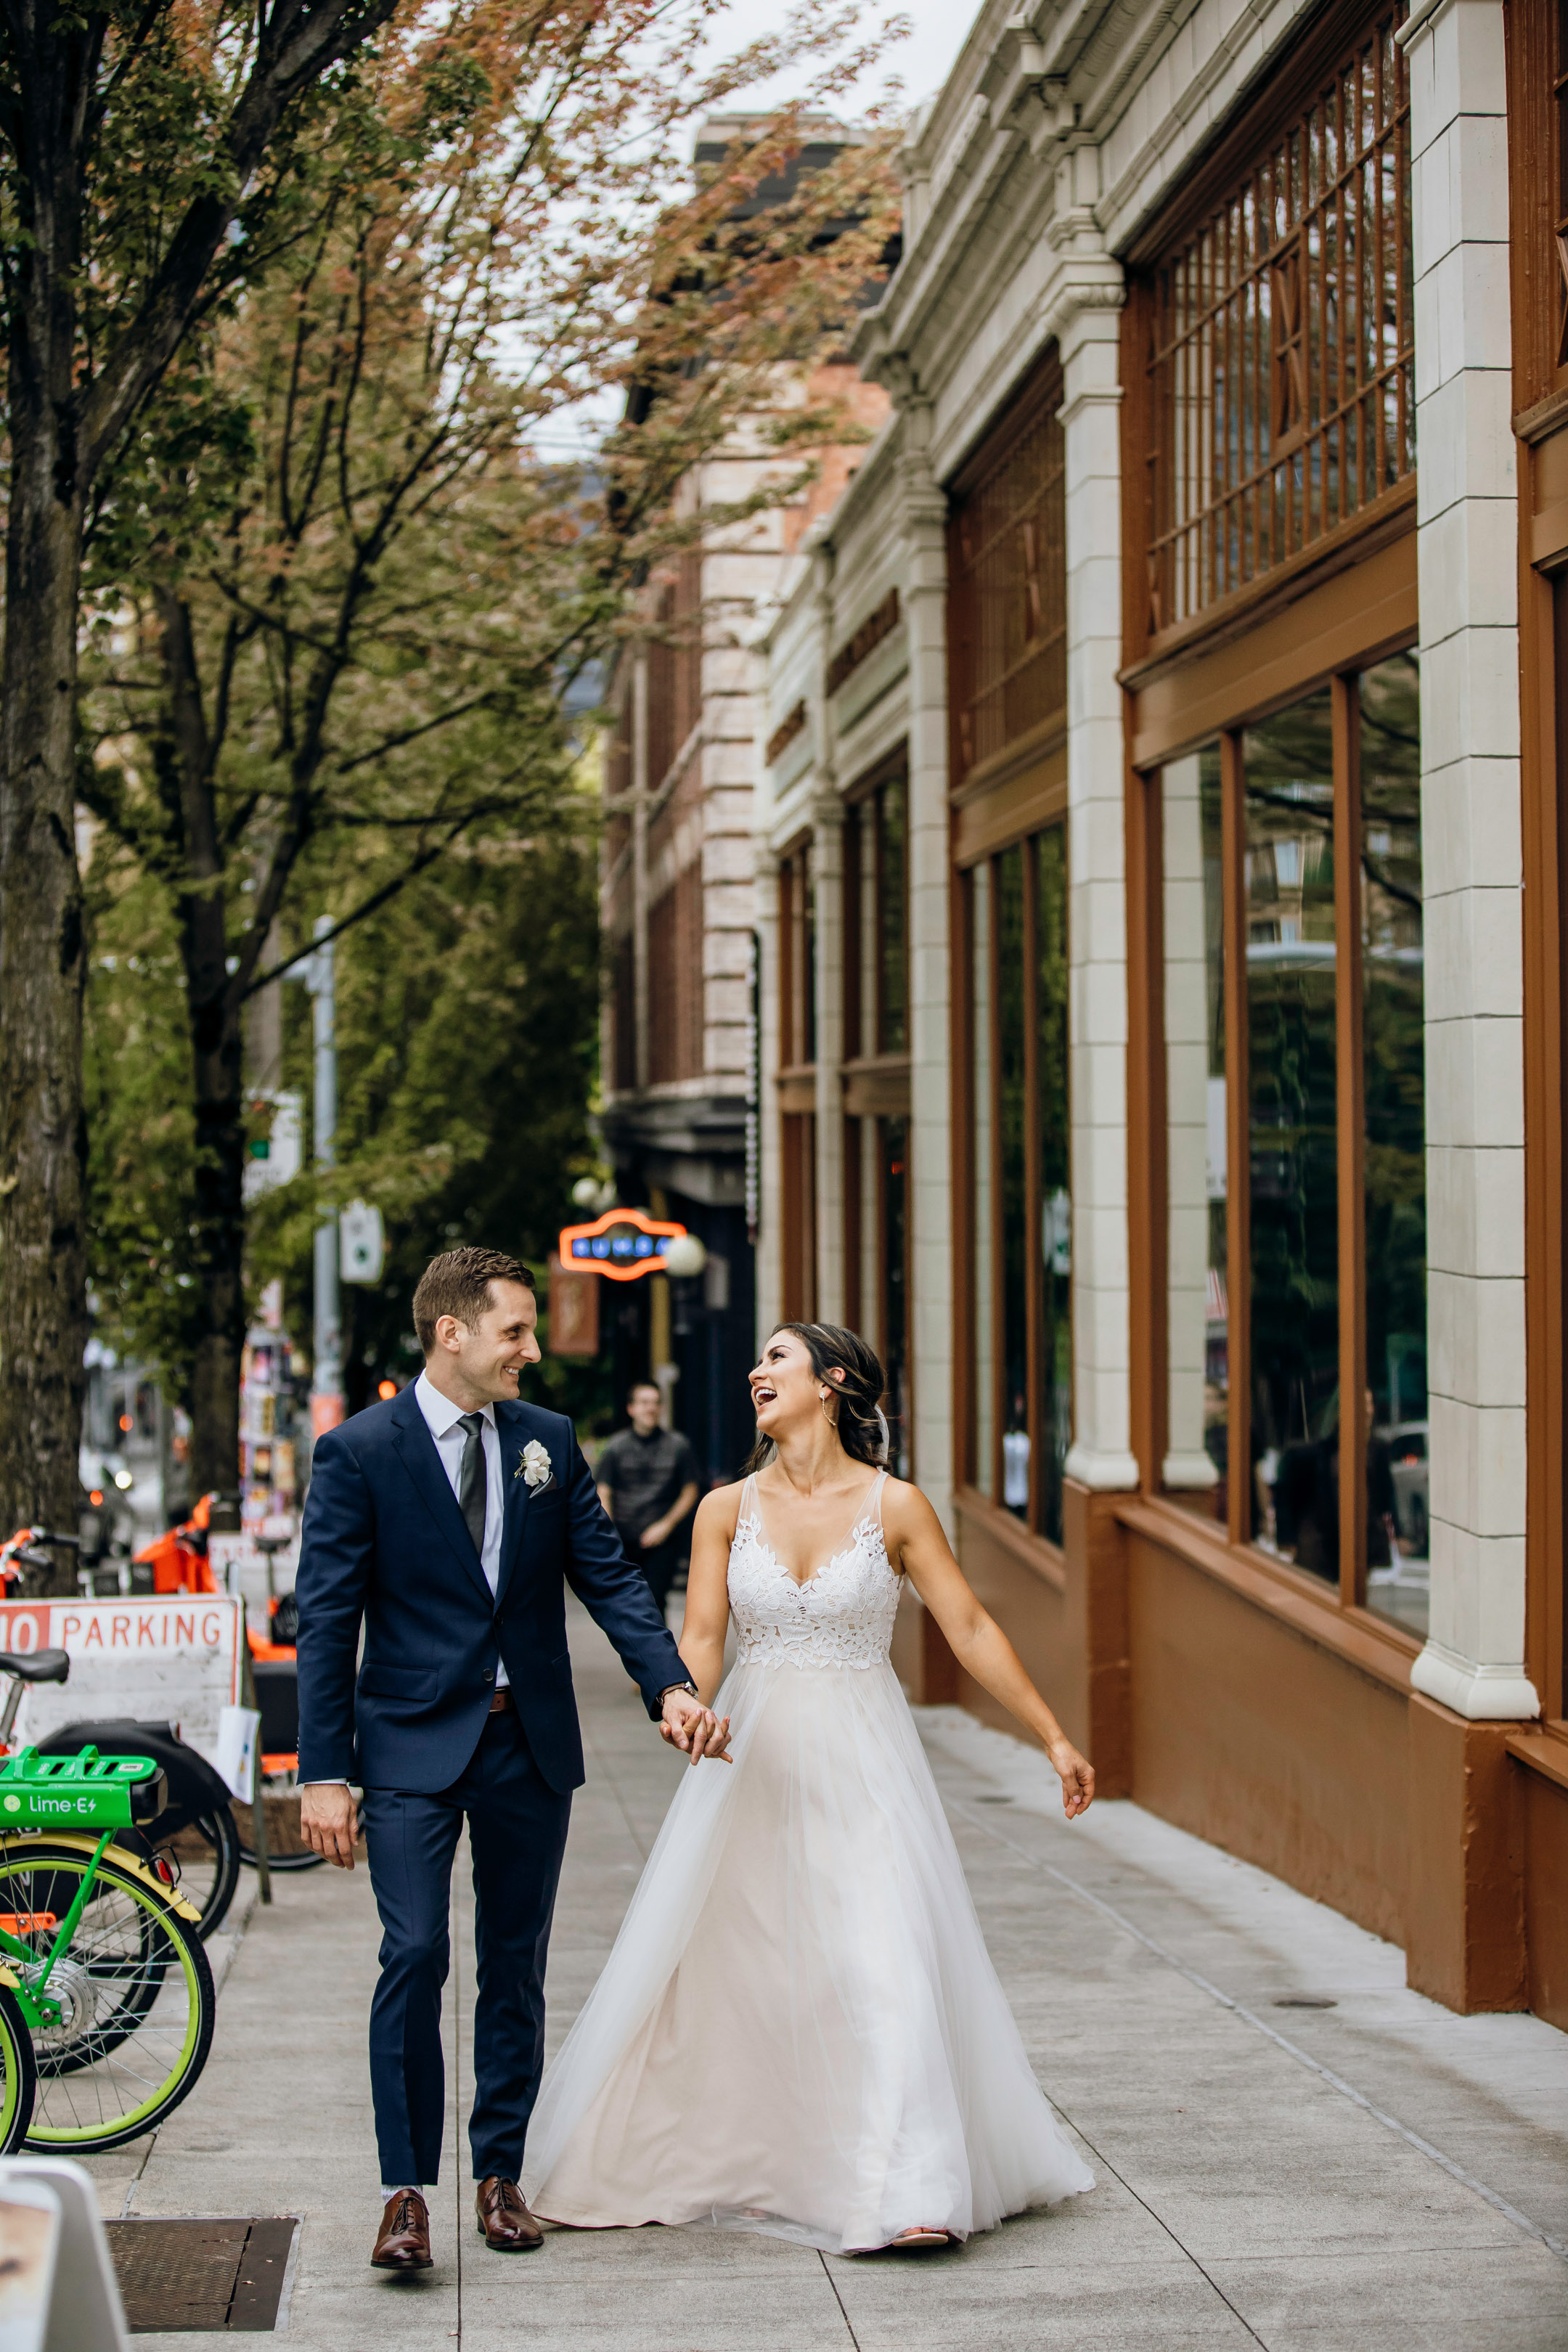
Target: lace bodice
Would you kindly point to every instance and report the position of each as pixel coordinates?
(843, 1616)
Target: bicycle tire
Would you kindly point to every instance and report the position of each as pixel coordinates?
(221, 1831)
(85, 2070)
(19, 2084)
(282, 1861)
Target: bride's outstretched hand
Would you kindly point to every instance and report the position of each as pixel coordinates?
(1075, 1774)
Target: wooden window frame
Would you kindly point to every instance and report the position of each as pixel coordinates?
(1262, 1574)
(1535, 40)
(876, 1080)
(1339, 35)
(978, 622)
(965, 1221)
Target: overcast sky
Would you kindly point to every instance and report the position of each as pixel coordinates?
(922, 61)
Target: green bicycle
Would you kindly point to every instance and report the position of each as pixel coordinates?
(108, 1971)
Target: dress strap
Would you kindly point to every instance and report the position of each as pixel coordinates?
(874, 1501)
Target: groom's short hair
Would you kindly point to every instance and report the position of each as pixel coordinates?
(459, 1283)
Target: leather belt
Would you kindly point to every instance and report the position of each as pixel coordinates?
(502, 1703)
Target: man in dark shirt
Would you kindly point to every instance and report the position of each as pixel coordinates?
(648, 1482)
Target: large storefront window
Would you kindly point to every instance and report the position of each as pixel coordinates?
(1006, 620)
(1297, 1243)
(1022, 1224)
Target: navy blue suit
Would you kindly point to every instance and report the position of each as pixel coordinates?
(384, 1546)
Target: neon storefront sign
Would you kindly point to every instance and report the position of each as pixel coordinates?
(623, 1245)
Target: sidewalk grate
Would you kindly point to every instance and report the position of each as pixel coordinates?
(208, 2277)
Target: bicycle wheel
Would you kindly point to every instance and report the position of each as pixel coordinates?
(18, 2074)
(136, 1997)
(207, 1854)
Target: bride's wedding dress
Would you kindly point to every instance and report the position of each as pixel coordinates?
(799, 2029)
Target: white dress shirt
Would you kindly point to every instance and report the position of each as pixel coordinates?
(443, 1418)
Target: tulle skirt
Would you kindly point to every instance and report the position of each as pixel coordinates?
(799, 2029)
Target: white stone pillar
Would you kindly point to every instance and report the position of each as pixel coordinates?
(1466, 557)
(770, 1218)
(827, 873)
(639, 862)
(930, 1317)
(1086, 318)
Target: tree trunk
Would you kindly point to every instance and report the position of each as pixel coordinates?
(217, 1059)
(43, 1144)
(217, 1043)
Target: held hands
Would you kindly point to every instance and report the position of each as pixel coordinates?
(328, 1822)
(694, 1729)
(1075, 1774)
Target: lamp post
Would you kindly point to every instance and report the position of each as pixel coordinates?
(320, 977)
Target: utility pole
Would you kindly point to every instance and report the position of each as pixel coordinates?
(327, 1378)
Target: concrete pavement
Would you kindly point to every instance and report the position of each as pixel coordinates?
(1375, 2173)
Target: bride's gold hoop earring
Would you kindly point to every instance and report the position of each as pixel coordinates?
(830, 1418)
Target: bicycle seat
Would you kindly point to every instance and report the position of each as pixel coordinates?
(35, 1666)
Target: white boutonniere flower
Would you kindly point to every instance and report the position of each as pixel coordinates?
(534, 1468)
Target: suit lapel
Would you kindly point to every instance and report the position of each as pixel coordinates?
(514, 1432)
(416, 1447)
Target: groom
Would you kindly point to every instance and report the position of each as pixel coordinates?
(447, 1523)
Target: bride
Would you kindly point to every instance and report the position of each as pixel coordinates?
(799, 2029)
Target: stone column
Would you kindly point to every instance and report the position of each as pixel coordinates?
(770, 1252)
(828, 872)
(930, 1321)
(639, 861)
(827, 880)
(1087, 324)
(1466, 557)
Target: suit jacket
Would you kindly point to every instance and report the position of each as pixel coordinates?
(384, 1544)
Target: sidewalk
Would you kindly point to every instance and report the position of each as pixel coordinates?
(1375, 2173)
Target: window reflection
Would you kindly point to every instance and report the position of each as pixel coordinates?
(1012, 1112)
(984, 1150)
(1288, 889)
(893, 1135)
(1394, 1084)
(1199, 1394)
(892, 949)
(1054, 1272)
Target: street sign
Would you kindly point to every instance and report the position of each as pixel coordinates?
(362, 1243)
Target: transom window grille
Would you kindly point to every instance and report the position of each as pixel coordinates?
(1281, 398)
(1007, 581)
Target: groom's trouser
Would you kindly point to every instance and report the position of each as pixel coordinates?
(517, 1833)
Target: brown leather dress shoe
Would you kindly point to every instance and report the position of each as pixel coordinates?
(504, 2221)
(403, 2241)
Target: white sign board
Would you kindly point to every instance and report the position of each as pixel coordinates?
(171, 1658)
(361, 1243)
(239, 1566)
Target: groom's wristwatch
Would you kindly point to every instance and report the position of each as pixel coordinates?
(687, 1685)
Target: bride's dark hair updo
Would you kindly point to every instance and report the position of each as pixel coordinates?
(833, 1350)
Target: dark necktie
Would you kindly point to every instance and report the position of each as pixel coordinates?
(472, 1483)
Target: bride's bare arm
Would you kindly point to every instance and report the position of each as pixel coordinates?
(917, 1545)
(707, 1617)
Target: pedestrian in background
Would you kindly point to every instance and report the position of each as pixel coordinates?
(646, 1478)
